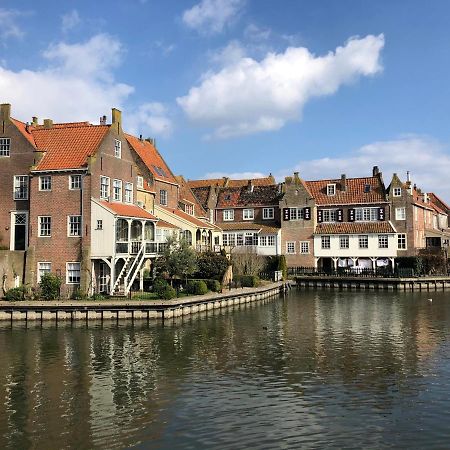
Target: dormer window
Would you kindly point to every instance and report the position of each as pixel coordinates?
(331, 189)
(366, 188)
(117, 148)
(5, 146)
(140, 182)
(397, 192)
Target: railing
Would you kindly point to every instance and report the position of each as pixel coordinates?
(133, 247)
(381, 272)
(155, 247)
(203, 247)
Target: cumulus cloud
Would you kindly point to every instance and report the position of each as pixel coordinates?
(70, 20)
(249, 96)
(212, 16)
(77, 83)
(236, 175)
(8, 24)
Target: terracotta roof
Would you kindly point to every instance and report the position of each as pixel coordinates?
(67, 147)
(241, 226)
(22, 127)
(227, 182)
(152, 159)
(202, 195)
(187, 195)
(242, 196)
(438, 201)
(163, 224)
(124, 210)
(354, 194)
(197, 222)
(354, 228)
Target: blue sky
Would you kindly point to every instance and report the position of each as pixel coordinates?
(245, 87)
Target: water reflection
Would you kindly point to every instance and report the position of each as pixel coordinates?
(317, 369)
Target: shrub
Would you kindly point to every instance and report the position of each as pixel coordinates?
(214, 285)
(15, 294)
(197, 287)
(168, 293)
(97, 296)
(159, 285)
(78, 294)
(50, 286)
(211, 265)
(248, 280)
(282, 266)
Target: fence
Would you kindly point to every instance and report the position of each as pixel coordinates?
(344, 272)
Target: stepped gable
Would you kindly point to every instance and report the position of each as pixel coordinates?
(354, 228)
(356, 191)
(187, 195)
(243, 196)
(152, 159)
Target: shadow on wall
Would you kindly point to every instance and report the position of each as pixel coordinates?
(11, 269)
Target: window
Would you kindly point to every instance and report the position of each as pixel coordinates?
(271, 241)
(366, 214)
(21, 187)
(248, 214)
(331, 189)
(304, 247)
(400, 213)
(73, 270)
(401, 241)
(232, 240)
(43, 268)
(325, 241)
(74, 226)
(45, 226)
(366, 188)
(296, 213)
(104, 187)
(228, 214)
(383, 241)
(363, 240)
(117, 190)
(397, 192)
(251, 239)
(129, 192)
(239, 239)
(99, 224)
(344, 242)
(263, 241)
(74, 182)
(189, 209)
(117, 148)
(290, 248)
(329, 215)
(5, 146)
(139, 182)
(268, 213)
(45, 183)
(163, 197)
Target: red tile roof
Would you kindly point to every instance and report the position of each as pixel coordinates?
(202, 195)
(354, 228)
(152, 159)
(227, 182)
(124, 210)
(26, 131)
(241, 226)
(354, 193)
(67, 146)
(187, 195)
(163, 224)
(189, 218)
(243, 197)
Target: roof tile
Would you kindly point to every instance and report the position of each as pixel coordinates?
(354, 228)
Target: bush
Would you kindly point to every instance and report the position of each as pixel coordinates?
(78, 294)
(168, 293)
(159, 285)
(214, 285)
(15, 294)
(282, 266)
(248, 280)
(50, 286)
(97, 297)
(211, 265)
(197, 287)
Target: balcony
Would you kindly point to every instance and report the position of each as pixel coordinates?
(133, 247)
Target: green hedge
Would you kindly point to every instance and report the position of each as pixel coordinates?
(15, 294)
(247, 280)
(196, 287)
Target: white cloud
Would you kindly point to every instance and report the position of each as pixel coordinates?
(236, 175)
(8, 24)
(249, 96)
(212, 16)
(70, 20)
(150, 118)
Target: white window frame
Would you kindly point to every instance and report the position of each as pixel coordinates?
(400, 213)
(263, 241)
(228, 215)
(45, 183)
(270, 240)
(42, 268)
(363, 241)
(383, 241)
(118, 148)
(402, 243)
(325, 242)
(189, 209)
(139, 182)
(296, 214)
(397, 192)
(304, 247)
(163, 197)
(290, 248)
(5, 147)
(99, 224)
(103, 194)
(74, 226)
(128, 192)
(40, 228)
(68, 270)
(344, 241)
(366, 214)
(21, 181)
(75, 182)
(331, 189)
(268, 213)
(329, 215)
(117, 190)
(248, 214)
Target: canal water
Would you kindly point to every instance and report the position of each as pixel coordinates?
(313, 370)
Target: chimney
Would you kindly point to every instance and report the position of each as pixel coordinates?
(343, 183)
(296, 178)
(5, 111)
(375, 171)
(425, 197)
(48, 123)
(140, 137)
(35, 121)
(250, 186)
(116, 116)
(103, 120)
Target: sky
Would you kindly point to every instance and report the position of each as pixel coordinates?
(245, 88)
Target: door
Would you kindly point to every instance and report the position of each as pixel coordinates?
(19, 232)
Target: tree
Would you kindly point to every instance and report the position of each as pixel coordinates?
(178, 260)
(247, 262)
(211, 265)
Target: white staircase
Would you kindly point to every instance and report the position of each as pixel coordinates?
(133, 264)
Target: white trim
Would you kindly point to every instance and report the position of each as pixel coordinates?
(14, 188)
(287, 248)
(308, 246)
(270, 216)
(39, 227)
(40, 183)
(12, 229)
(70, 182)
(38, 275)
(252, 214)
(68, 226)
(67, 272)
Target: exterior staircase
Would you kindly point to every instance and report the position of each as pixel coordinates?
(133, 264)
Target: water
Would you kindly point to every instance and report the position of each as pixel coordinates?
(316, 370)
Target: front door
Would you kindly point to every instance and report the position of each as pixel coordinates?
(19, 230)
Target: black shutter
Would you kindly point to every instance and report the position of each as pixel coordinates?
(307, 213)
(381, 213)
(351, 215)
(286, 214)
(319, 216)
(340, 215)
